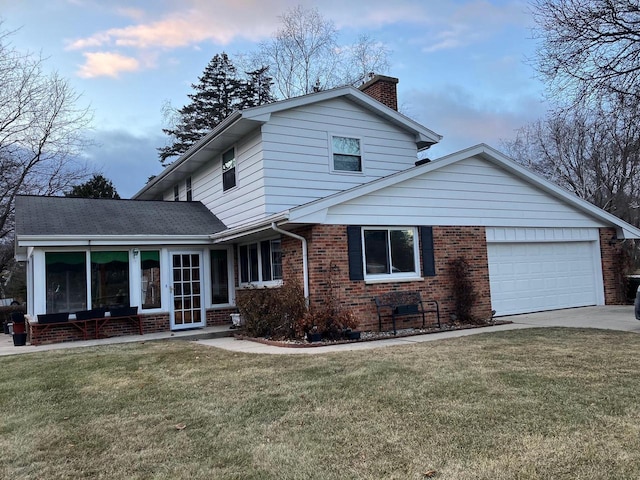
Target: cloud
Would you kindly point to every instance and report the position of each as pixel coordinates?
(107, 64)
(125, 159)
(465, 119)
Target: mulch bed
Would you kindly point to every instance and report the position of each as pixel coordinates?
(367, 336)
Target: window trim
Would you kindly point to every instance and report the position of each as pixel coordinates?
(176, 193)
(260, 282)
(332, 168)
(391, 277)
(234, 168)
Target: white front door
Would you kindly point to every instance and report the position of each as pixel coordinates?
(187, 307)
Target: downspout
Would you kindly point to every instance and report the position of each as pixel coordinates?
(305, 264)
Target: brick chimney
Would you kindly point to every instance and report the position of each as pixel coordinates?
(383, 89)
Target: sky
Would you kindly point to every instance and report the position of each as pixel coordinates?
(464, 65)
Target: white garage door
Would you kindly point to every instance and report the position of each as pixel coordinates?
(532, 277)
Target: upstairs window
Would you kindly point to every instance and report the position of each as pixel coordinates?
(228, 169)
(347, 156)
(176, 193)
(188, 189)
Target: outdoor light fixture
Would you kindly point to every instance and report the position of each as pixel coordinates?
(135, 252)
(613, 240)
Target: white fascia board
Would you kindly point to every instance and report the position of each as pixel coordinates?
(225, 124)
(106, 240)
(249, 228)
(422, 134)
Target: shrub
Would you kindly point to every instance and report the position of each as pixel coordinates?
(272, 312)
(328, 318)
(464, 292)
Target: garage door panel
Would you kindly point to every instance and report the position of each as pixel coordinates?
(530, 277)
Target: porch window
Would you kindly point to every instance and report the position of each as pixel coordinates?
(390, 252)
(228, 169)
(109, 279)
(176, 193)
(219, 277)
(150, 276)
(261, 262)
(346, 154)
(66, 281)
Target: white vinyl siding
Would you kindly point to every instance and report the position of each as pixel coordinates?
(243, 203)
(297, 151)
(472, 192)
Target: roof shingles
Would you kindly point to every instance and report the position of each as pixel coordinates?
(53, 216)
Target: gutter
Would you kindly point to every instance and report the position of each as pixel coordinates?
(305, 254)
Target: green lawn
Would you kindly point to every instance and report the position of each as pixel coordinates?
(526, 404)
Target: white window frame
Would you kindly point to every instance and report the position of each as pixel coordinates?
(260, 281)
(332, 153)
(392, 276)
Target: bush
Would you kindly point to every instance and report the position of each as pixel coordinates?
(329, 319)
(464, 292)
(272, 312)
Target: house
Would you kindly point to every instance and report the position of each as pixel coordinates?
(325, 189)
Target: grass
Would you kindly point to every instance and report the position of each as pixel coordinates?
(526, 404)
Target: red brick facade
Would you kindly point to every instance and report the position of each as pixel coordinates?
(329, 271)
(613, 268)
(152, 323)
(383, 89)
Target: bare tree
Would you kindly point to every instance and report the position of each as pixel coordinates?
(41, 132)
(304, 55)
(589, 47)
(592, 151)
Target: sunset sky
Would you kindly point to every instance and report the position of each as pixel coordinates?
(463, 65)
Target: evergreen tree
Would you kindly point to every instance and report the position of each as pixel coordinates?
(219, 92)
(97, 187)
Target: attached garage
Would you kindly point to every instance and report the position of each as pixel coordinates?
(532, 270)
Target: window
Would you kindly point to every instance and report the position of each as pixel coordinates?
(66, 281)
(390, 252)
(228, 169)
(188, 189)
(150, 276)
(346, 154)
(176, 193)
(261, 262)
(109, 279)
(219, 277)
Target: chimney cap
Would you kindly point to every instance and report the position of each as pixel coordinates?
(375, 78)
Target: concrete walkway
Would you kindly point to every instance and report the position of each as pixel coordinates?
(604, 317)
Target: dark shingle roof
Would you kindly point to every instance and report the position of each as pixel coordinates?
(53, 216)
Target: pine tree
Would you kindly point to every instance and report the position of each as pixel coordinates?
(219, 92)
(97, 187)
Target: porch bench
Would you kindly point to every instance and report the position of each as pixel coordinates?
(404, 304)
(86, 318)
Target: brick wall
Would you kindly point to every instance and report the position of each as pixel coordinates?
(383, 89)
(613, 268)
(329, 271)
(69, 333)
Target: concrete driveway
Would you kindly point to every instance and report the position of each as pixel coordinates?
(605, 317)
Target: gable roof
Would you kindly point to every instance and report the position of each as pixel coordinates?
(51, 217)
(240, 123)
(316, 211)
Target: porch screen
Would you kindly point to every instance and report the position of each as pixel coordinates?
(150, 272)
(66, 280)
(109, 279)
